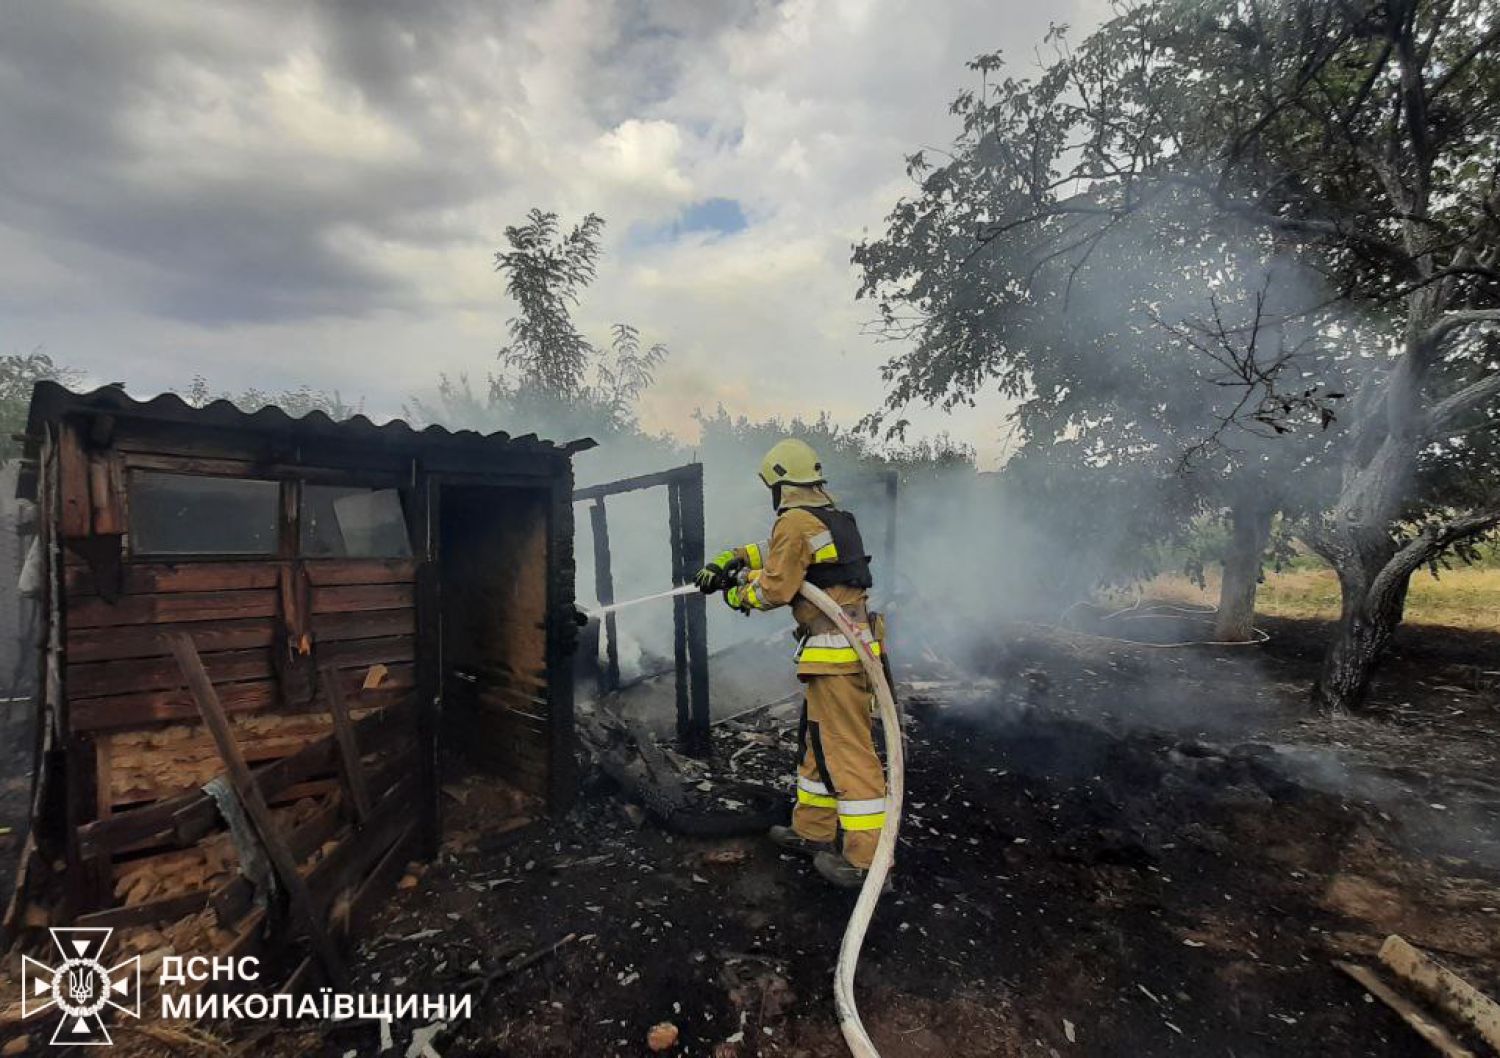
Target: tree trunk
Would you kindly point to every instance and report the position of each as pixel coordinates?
(1369, 618)
(1373, 579)
(1250, 531)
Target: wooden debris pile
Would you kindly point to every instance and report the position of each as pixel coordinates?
(686, 795)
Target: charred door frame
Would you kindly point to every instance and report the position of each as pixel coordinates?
(561, 632)
(684, 486)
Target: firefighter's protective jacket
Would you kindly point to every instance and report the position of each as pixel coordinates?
(805, 545)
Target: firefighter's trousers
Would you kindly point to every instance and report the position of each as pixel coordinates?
(840, 780)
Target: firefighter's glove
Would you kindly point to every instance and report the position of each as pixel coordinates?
(737, 596)
(717, 575)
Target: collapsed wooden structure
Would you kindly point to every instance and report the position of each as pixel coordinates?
(265, 638)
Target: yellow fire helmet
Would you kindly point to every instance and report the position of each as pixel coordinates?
(791, 462)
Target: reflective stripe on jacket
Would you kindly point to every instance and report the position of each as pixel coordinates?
(796, 538)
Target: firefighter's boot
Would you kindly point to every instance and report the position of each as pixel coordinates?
(791, 841)
(840, 872)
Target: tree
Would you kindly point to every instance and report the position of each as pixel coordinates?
(545, 272)
(552, 377)
(1156, 355)
(19, 374)
(1356, 139)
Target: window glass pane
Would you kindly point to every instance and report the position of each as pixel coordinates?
(188, 514)
(342, 522)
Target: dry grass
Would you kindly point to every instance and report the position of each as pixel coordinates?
(1460, 598)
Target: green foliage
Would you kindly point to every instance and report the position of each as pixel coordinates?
(545, 272)
(1180, 245)
(846, 453)
(19, 373)
(552, 379)
(296, 402)
(624, 373)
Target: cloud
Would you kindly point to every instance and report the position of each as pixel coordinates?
(280, 194)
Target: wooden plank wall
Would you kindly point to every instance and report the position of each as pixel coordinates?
(129, 719)
(126, 695)
(144, 844)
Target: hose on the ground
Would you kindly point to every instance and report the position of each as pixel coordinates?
(1133, 611)
(850, 1025)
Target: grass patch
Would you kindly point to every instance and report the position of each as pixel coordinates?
(1467, 597)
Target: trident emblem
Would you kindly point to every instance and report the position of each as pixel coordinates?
(81, 987)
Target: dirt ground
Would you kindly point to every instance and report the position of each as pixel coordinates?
(1108, 850)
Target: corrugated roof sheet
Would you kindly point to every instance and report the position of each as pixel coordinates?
(49, 400)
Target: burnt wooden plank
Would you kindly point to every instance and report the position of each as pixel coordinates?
(148, 641)
(183, 814)
(348, 863)
(169, 607)
(255, 806)
(75, 516)
(691, 548)
(168, 909)
(101, 678)
(425, 510)
(635, 484)
(350, 767)
(372, 624)
(107, 494)
(372, 455)
(117, 711)
(384, 649)
(142, 578)
(528, 699)
(186, 464)
(604, 588)
(327, 572)
(350, 598)
(561, 640)
(382, 880)
(680, 575)
(523, 732)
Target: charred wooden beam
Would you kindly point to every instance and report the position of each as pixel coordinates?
(679, 615)
(604, 589)
(256, 808)
(635, 484)
(690, 550)
(561, 645)
(351, 771)
(186, 818)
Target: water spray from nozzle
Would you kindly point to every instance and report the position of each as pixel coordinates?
(686, 589)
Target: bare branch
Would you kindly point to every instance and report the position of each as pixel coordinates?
(1473, 396)
(1451, 321)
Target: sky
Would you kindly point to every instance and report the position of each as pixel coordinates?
(275, 194)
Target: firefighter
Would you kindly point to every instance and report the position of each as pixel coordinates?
(840, 805)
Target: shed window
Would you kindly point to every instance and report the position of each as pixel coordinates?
(189, 514)
(342, 522)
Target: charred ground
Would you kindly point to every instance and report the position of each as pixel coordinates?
(1156, 852)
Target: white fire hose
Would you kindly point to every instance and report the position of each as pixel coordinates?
(850, 1025)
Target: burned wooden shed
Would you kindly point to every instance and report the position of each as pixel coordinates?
(343, 606)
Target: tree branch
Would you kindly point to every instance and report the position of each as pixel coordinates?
(1465, 400)
(1427, 545)
(1451, 321)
